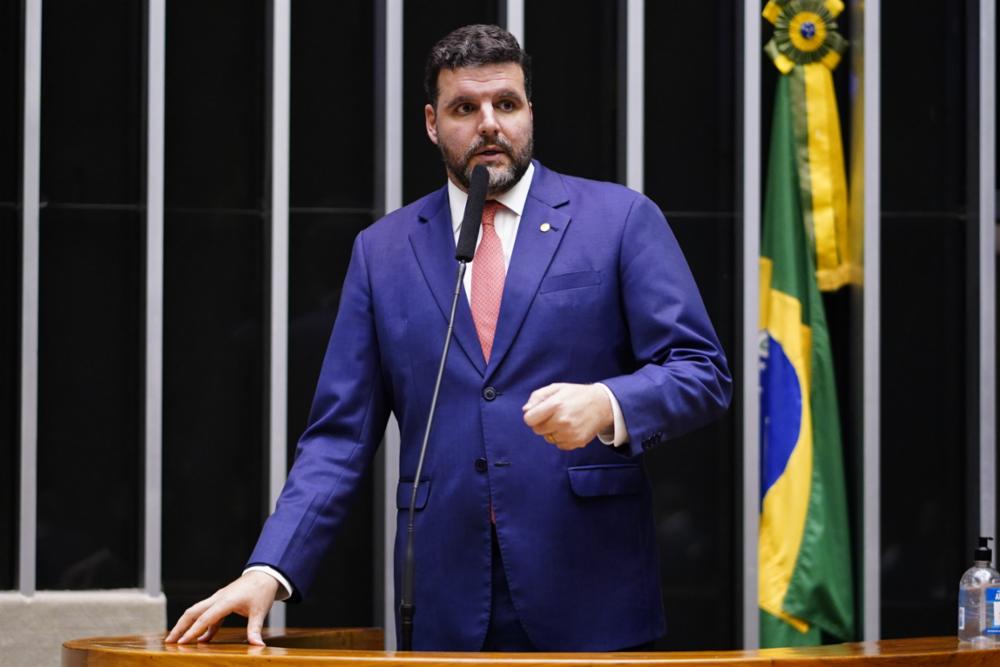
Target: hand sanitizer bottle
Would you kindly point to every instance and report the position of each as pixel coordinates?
(979, 600)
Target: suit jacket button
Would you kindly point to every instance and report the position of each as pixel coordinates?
(489, 393)
(481, 465)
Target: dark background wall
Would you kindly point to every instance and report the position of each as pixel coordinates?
(10, 280)
(90, 296)
(214, 346)
(332, 199)
(691, 157)
(926, 375)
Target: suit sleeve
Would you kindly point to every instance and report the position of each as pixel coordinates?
(681, 381)
(348, 418)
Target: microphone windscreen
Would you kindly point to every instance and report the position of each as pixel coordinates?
(465, 250)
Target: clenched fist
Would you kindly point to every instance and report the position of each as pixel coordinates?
(569, 415)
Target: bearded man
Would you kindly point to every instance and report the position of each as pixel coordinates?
(582, 342)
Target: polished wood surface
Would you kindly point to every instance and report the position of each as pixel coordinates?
(360, 647)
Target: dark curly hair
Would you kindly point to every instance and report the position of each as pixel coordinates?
(474, 46)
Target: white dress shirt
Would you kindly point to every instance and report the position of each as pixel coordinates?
(506, 223)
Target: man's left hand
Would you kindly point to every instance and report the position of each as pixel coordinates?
(569, 416)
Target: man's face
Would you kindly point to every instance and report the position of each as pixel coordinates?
(482, 117)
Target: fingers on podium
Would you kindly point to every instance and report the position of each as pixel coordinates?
(187, 619)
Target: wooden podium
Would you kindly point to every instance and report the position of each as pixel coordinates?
(361, 647)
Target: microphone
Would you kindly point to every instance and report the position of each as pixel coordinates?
(465, 250)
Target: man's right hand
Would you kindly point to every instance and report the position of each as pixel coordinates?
(251, 595)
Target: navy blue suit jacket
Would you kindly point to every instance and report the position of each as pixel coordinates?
(604, 295)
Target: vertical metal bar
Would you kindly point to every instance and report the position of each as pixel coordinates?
(751, 213)
(621, 75)
(635, 92)
(278, 391)
(389, 186)
(514, 19)
(31, 175)
(987, 268)
(393, 129)
(155, 83)
(871, 307)
(378, 501)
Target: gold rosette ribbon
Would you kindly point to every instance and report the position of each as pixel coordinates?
(805, 48)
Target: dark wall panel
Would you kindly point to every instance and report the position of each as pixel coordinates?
(10, 372)
(89, 400)
(575, 90)
(10, 279)
(215, 104)
(213, 470)
(320, 248)
(332, 94)
(215, 346)
(11, 99)
(92, 102)
(332, 192)
(90, 313)
(695, 480)
(923, 131)
(690, 171)
(926, 373)
(425, 23)
(690, 116)
(923, 426)
(690, 119)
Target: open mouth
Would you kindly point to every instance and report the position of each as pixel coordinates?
(491, 152)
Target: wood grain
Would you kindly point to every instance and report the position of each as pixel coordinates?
(359, 647)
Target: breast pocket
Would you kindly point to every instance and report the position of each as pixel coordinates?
(572, 308)
(568, 281)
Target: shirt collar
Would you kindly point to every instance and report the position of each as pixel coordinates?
(513, 199)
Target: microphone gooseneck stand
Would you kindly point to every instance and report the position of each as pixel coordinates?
(464, 253)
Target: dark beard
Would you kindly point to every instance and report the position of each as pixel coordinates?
(501, 179)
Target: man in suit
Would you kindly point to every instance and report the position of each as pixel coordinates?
(582, 342)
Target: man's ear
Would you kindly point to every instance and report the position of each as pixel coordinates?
(430, 123)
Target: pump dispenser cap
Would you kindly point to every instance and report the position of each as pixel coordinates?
(984, 552)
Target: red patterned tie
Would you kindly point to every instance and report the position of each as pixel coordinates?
(488, 274)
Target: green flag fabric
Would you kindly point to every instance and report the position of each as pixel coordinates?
(805, 578)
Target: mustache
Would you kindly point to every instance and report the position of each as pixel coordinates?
(482, 143)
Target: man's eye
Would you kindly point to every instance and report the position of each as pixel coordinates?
(464, 108)
(506, 105)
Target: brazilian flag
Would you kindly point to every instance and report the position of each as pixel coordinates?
(805, 580)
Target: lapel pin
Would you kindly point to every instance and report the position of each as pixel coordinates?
(545, 227)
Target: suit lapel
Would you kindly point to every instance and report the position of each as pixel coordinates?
(533, 252)
(433, 244)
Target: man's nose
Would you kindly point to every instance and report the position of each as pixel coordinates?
(488, 125)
